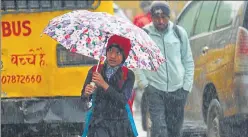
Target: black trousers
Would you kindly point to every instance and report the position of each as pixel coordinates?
(166, 111)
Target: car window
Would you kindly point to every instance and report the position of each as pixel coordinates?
(212, 25)
(205, 17)
(245, 21)
(187, 18)
(67, 58)
(225, 14)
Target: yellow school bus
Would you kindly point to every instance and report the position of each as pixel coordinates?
(41, 81)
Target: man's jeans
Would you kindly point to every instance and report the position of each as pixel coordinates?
(166, 111)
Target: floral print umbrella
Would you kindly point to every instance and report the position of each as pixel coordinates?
(86, 33)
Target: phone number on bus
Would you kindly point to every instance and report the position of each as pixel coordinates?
(20, 79)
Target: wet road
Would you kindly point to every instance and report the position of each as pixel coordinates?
(232, 127)
(137, 119)
(191, 129)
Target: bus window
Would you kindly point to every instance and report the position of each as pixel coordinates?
(66, 58)
(8, 6)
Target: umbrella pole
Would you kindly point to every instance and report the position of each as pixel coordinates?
(93, 83)
(101, 55)
(98, 65)
(99, 61)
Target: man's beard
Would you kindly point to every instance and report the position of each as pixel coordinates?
(161, 28)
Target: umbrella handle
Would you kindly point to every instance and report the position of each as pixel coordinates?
(93, 84)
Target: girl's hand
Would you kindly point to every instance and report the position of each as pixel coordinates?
(89, 89)
(98, 79)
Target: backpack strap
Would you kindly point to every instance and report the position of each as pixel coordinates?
(130, 117)
(99, 67)
(94, 68)
(131, 99)
(146, 30)
(129, 104)
(88, 118)
(176, 30)
(178, 35)
(125, 72)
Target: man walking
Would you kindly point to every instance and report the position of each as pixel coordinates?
(167, 89)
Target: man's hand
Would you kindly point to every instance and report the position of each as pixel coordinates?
(98, 79)
(185, 90)
(89, 89)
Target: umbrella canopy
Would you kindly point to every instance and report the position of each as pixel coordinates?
(87, 33)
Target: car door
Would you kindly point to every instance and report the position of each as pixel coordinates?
(186, 19)
(222, 55)
(198, 29)
(200, 41)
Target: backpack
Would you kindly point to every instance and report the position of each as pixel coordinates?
(175, 29)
